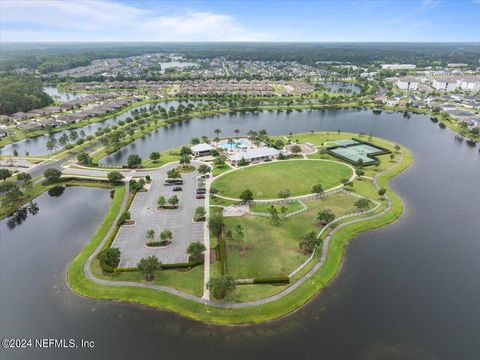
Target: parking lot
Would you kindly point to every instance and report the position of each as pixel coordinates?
(131, 238)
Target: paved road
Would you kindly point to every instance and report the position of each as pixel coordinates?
(131, 238)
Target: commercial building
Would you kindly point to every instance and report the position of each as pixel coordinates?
(202, 149)
(254, 155)
(398, 66)
(409, 84)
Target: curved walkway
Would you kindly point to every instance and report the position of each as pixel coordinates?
(303, 279)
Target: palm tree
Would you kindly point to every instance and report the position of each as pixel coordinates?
(150, 234)
(217, 132)
(236, 132)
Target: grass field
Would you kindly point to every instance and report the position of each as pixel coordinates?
(267, 180)
(272, 250)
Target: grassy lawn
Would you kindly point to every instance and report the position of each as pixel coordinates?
(190, 281)
(217, 170)
(291, 207)
(165, 158)
(267, 180)
(272, 250)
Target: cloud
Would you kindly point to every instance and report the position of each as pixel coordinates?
(88, 20)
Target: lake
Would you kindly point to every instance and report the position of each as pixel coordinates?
(409, 290)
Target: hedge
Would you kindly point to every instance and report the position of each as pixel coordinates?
(272, 280)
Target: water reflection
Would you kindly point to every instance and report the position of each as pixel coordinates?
(21, 214)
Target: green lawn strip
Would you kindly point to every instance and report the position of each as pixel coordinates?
(165, 158)
(189, 281)
(267, 180)
(291, 206)
(223, 202)
(255, 314)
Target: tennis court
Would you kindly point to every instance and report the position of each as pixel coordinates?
(354, 151)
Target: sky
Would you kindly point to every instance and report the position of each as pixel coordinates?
(272, 21)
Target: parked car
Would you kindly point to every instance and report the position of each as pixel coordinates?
(177, 188)
(203, 177)
(167, 183)
(201, 191)
(200, 196)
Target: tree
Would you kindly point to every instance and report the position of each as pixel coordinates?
(326, 216)
(279, 144)
(219, 161)
(161, 201)
(114, 177)
(173, 174)
(217, 132)
(134, 161)
(317, 189)
(204, 169)
(5, 174)
(221, 286)
(111, 256)
(84, 158)
(216, 224)
(295, 149)
(63, 140)
(173, 200)
(11, 197)
(185, 160)
(362, 203)
(359, 172)
(382, 192)
(150, 235)
(392, 156)
(284, 194)
(195, 141)
(274, 217)
(246, 196)
(27, 181)
(15, 152)
(199, 213)
(51, 144)
(155, 156)
(148, 265)
(243, 162)
(236, 132)
(196, 249)
(52, 174)
(185, 150)
(166, 235)
(309, 242)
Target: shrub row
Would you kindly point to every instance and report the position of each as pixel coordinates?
(272, 280)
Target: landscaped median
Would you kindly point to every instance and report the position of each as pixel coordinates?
(188, 303)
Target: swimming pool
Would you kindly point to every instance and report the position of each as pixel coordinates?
(234, 146)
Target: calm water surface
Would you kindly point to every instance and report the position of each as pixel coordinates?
(410, 290)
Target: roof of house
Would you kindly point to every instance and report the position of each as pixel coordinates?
(254, 153)
(202, 147)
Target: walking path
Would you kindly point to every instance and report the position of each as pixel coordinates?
(205, 300)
